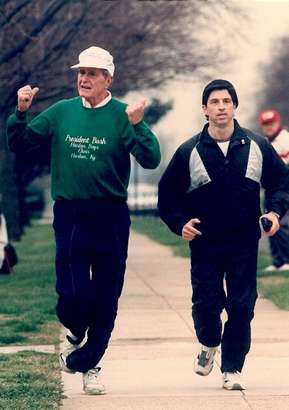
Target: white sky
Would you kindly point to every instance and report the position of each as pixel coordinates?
(268, 19)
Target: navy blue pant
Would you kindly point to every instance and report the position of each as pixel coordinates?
(91, 250)
(279, 243)
(212, 264)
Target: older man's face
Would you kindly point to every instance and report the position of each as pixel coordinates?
(92, 84)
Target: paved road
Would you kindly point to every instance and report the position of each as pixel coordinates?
(149, 363)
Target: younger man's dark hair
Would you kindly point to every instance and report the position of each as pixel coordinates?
(220, 85)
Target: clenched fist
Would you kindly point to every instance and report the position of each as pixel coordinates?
(25, 97)
(136, 112)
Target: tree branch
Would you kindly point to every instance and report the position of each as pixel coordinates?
(53, 8)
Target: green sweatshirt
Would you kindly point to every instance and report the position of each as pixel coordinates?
(90, 147)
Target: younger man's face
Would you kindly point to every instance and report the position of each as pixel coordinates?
(220, 108)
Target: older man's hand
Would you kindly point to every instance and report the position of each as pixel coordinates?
(25, 96)
(136, 112)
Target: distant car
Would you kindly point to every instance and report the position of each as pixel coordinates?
(142, 198)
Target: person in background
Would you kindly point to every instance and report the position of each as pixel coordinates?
(3, 243)
(272, 128)
(210, 195)
(91, 138)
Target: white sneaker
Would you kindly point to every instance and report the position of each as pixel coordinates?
(70, 344)
(271, 268)
(232, 381)
(205, 361)
(283, 267)
(91, 382)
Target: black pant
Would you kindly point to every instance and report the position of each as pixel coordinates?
(279, 243)
(91, 250)
(211, 264)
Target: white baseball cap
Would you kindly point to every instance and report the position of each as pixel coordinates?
(96, 57)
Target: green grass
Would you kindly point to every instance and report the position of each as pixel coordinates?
(30, 380)
(274, 286)
(155, 229)
(27, 296)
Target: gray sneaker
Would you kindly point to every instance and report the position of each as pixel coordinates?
(232, 381)
(92, 383)
(205, 361)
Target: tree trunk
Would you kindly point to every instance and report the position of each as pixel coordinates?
(9, 190)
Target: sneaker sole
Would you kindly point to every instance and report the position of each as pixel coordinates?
(200, 370)
(94, 392)
(235, 386)
(201, 373)
(63, 366)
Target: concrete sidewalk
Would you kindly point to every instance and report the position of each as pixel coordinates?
(149, 362)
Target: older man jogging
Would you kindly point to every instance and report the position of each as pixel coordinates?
(91, 138)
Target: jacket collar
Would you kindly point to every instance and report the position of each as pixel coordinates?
(239, 135)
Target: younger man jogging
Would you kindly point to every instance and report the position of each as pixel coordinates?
(210, 195)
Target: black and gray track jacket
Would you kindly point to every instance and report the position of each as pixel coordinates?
(223, 192)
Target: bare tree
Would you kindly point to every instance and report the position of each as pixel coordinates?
(151, 41)
(34, 35)
(274, 94)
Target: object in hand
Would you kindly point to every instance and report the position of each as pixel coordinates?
(266, 224)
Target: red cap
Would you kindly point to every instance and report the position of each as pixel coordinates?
(268, 116)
